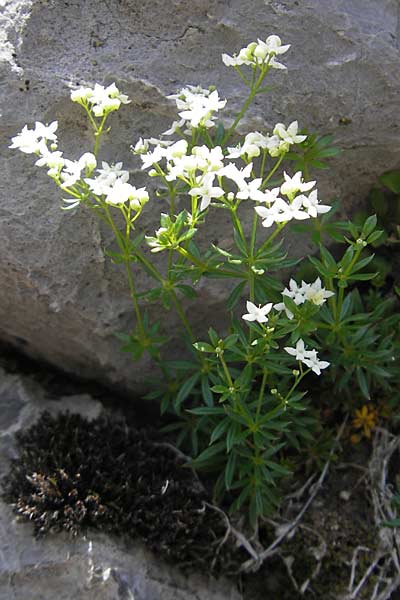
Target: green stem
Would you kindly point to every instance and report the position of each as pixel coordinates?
(272, 171)
(261, 394)
(124, 246)
(253, 93)
(203, 266)
(296, 383)
(273, 235)
(98, 134)
(341, 290)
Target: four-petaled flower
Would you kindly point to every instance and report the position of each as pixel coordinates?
(206, 191)
(257, 313)
(308, 357)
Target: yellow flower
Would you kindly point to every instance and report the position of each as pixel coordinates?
(365, 419)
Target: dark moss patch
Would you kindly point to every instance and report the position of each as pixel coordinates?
(73, 474)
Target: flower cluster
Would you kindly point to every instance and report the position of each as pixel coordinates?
(197, 107)
(34, 141)
(112, 183)
(308, 357)
(200, 168)
(311, 292)
(277, 144)
(258, 53)
(298, 207)
(101, 100)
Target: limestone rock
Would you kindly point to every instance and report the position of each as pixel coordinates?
(60, 300)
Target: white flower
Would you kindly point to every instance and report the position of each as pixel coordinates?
(102, 100)
(268, 215)
(175, 127)
(282, 306)
(197, 105)
(312, 205)
(271, 196)
(71, 172)
(141, 146)
(245, 57)
(53, 160)
(176, 150)
(239, 176)
(275, 64)
(153, 157)
(253, 143)
(81, 94)
(257, 313)
(316, 294)
(312, 361)
(252, 190)
(289, 135)
(206, 191)
(139, 198)
(295, 184)
(295, 292)
(182, 168)
(286, 212)
(258, 53)
(88, 161)
(300, 352)
(113, 171)
(109, 174)
(122, 192)
(308, 357)
(272, 45)
(209, 159)
(32, 141)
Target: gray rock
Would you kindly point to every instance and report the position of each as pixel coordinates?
(61, 300)
(98, 567)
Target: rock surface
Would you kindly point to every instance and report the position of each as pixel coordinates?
(94, 568)
(60, 300)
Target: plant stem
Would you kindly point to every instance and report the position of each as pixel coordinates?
(273, 170)
(246, 105)
(124, 246)
(261, 394)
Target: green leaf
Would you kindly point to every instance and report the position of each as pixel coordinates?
(235, 294)
(207, 410)
(219, 430)
(375, 235)
(369, 225)
(187, 291)
(346, 306)
(230, 341)
(185, 390)
(362, 263)
(219, 134)
(363, 276)
(213, 336)
(347, 258)
(208, 453)
(391, 180)
(232, 436)
(204, 347)
(328, 259)
(230, 470)
(362, 382)
(206, 391)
